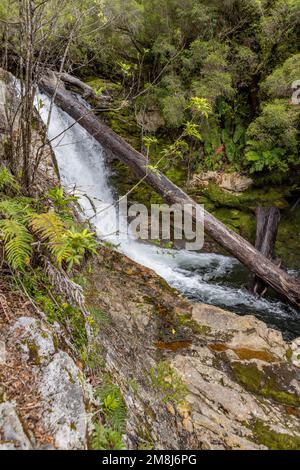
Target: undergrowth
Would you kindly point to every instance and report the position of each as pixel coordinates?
(114, 414)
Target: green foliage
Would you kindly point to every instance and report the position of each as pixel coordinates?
(7, 181)
(40, 289)
(273, 139)
(166, 380)
(113, 410)
(200, 106)
(60, 201)
(67, 246)
(99, 315)
(173, 110)
(279, 83)
(17, 243)
(113, 407)
(19, 208)
(105, 438)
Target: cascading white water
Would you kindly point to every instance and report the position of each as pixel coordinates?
(202, 276)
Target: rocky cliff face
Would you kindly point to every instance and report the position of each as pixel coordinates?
(193, 376)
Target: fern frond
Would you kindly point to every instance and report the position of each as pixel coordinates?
(16, 209)
(48, 226)
(7, 180)
(17, 243)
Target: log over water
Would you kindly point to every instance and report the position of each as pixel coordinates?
(247, 254)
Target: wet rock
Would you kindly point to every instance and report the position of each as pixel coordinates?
(34, 339)
(62, 395)
(13, 436)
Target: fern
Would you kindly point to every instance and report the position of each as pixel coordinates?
(17, 243)
(19, 209)
(7, 181)
(113, 407)
(48, 226)
(51, 229)
(106, 438)
(66, 245)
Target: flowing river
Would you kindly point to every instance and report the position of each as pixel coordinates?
(205, 277)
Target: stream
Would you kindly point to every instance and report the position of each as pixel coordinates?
(205, 277)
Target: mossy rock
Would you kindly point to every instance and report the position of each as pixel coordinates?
(266, 382)
(274, 440)
(249, 199)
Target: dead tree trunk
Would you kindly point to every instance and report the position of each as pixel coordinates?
(267, 222)
(255, 261)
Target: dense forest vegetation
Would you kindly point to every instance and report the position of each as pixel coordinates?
(241, 56)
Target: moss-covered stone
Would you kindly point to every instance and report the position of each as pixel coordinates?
(274, 440)
(249, 199)
(263, 382)
(165, 379)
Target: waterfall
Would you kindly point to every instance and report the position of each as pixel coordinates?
(206, 277)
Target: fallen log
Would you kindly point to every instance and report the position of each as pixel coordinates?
(85, 90)
(237, 246)
(267, 222)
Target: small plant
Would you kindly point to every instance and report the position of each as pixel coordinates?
(67, 246)
(99, 315)
(165, 379)
(17, 243)
(60, 201)
(113, 410)
(200, 106)
(113, 407)
(7, 181)
(106, 438)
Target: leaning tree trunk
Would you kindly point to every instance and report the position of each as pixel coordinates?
(255, 261)
(267, 222)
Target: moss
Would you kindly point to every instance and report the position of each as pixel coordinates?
(240, 221)
(33, 350)
(249, 199)
(186, 320)
(288, 241)
(274, 440)
(73, 426)
(55, 341)
(165, 379)
(289, 354)
(264, 383)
